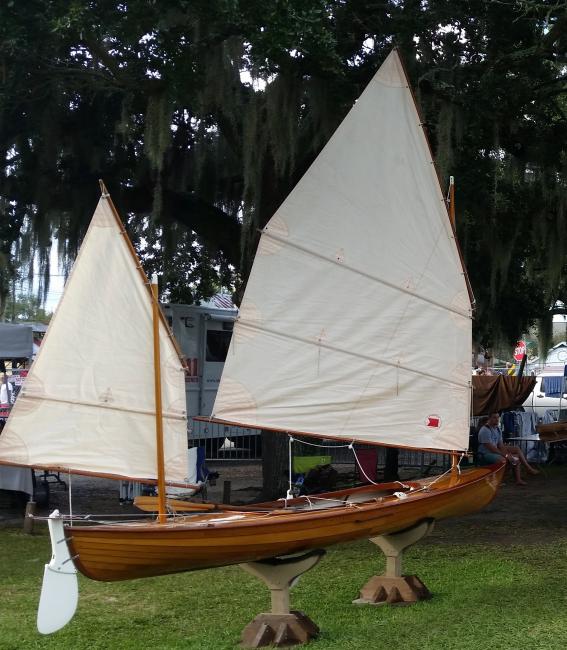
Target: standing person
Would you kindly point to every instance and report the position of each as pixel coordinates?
(5, 389)
(492, 449)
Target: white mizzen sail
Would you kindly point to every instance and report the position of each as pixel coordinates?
(356, 321)
(88, 403)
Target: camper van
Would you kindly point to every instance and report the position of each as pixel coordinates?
(203, 332)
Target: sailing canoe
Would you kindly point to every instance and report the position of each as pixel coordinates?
(123, 551)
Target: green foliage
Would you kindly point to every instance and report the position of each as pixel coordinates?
(152, 97)
(26, 308)
(188, 272)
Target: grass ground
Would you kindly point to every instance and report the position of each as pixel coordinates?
(498, 578)
(485, 596)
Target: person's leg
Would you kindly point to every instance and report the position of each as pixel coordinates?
(516, 451)
(517, 474)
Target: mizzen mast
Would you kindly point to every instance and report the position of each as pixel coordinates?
(158, 402)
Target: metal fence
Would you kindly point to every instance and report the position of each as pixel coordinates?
(423, 462)
(223, 442)
(228, 443)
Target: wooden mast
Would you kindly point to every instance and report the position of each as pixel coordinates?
(452, 202)
(156, 317)
(159, 409)
(454, 456)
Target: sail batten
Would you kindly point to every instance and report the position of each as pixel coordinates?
(358, 266)
(319, 344)
(268, 235)
(123, 409)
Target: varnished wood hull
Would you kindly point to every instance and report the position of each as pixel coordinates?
(185, 543)
(552, 432)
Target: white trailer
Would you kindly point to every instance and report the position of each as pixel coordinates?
(203, 332)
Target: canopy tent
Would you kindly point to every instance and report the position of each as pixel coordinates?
(499, 392)
(16, 341)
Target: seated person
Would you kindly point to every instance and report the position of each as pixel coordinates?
(491, 449)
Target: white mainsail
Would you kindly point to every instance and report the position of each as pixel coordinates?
(356, 321)
(88, 403)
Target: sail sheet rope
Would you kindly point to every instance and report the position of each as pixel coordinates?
(350, 446)
(70, 493)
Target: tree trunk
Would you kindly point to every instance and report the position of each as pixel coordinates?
(275, 465)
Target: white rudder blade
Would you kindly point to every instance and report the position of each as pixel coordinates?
(60, 591)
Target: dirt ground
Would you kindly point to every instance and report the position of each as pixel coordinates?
(102, 496)
(517, 515)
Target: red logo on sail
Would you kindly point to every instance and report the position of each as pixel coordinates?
(433, 422)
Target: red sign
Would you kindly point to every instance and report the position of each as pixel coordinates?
(520, 350)
(191, 374)
(433, 422)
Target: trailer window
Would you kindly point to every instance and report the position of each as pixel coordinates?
(217, 345)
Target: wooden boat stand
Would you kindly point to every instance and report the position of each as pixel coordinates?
(393, 588)
(280, 627)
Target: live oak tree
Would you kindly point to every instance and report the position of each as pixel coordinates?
(201, 116)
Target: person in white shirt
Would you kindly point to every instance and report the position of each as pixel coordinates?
(4, 390)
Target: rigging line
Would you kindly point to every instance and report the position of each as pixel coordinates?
(358, 355)
(332, 503)
(179, 514)
(351, 446)
(352, 269)
(289, 494)
(314, 444)
(88, 518)
(70, 495)
(102, 405)
(360, 468)
(426, 487)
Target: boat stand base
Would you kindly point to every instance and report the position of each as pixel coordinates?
(380, 590)
(278, 630)
(280, 627)
(393, 588)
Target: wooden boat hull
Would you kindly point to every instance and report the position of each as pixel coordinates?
(552, 432)
(185, 543)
